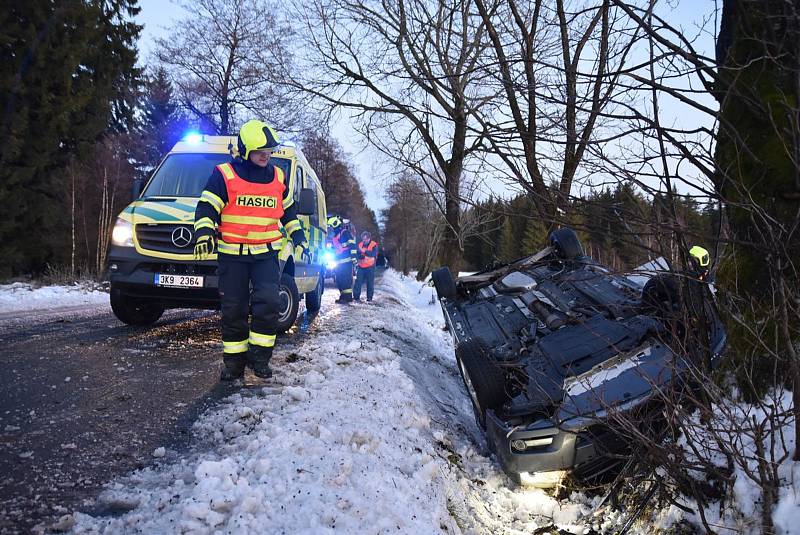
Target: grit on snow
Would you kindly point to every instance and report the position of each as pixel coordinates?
(365, 429)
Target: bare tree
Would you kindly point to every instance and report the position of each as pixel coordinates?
(226, 60)
(556, 67)
(407, 72)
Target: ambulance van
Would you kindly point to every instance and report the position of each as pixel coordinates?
(151, 264)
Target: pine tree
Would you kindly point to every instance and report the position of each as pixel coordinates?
(67, 75)
(162, 123)
(509, 241)
(535, 236)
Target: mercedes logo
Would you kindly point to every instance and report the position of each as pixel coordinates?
(182, 237)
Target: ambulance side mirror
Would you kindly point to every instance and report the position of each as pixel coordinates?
(308, 201)
(136, 188)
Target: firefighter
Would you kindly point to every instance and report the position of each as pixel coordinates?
(344, 249)
(247, 201)
(700, 260)
(367, 255)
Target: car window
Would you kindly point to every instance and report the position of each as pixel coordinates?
(285, 164)
(298, 182)
(183, 175)
(311, 183)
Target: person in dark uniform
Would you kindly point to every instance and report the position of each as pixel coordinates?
(245, 203)
(344, 249)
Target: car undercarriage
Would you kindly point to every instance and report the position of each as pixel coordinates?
(552, 345)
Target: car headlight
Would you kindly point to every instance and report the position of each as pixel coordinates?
(122, 234)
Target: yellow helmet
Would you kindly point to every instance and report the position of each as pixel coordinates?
(700, 256)
(256, 135)
(334, 222)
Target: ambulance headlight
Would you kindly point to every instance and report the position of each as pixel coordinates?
(122, 234)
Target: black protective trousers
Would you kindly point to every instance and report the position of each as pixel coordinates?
(236, 273)
(344, 279)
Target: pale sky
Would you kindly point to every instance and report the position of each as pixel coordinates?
(372, 171)
(156, 16)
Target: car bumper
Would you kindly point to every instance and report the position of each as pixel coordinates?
(540, 453)
(133, 274)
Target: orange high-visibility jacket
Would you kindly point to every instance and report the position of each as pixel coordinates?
(253, 212)
(367, 261)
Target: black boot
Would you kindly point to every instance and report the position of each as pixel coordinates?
(233, 366)
(258, 359)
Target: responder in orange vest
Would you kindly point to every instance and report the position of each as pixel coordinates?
(245, 203)
(367, 253)
(344, 249)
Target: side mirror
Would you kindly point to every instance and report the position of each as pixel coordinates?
(136, 189)
(308, 201)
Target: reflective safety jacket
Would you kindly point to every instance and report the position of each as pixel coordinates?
(254, 211)
(367, 254)
(344, 245)
(251, 224)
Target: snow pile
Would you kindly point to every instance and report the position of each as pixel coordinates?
(338, 442)
(737, 422)
(365, 428)
(21, 296)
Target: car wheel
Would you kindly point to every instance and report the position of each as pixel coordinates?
(134, 311)
(314, 298)
(483, 378)
(661, 295)
(289, 303)
(566, 243)
(444, 283)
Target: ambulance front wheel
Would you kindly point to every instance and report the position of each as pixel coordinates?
(134, 311)
(289, 303)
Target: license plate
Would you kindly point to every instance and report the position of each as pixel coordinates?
(178, 281)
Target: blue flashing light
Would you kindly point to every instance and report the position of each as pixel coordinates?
(193, 138)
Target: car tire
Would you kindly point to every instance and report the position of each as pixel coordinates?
(314, 298)
(134, 311)
(290, 303)
(661, 295)
(483, 379)
(444, 283)
(566, 244)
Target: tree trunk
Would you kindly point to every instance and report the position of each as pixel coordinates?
(759, 65)
(72, 223)
(451, 252)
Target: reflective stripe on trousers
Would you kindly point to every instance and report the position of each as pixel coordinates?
(236, 272)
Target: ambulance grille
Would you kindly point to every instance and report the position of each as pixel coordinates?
(159, 238)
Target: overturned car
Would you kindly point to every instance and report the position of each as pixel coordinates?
(550, 346)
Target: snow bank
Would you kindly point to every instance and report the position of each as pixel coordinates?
(365, 428)
(338, 442)
(21, 296)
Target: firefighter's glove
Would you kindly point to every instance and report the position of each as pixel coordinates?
(204, 247)
(301, 252)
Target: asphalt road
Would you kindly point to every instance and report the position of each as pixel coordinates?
(84, 398)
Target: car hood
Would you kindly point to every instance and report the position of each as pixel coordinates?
(619, 382)
(161, 210)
